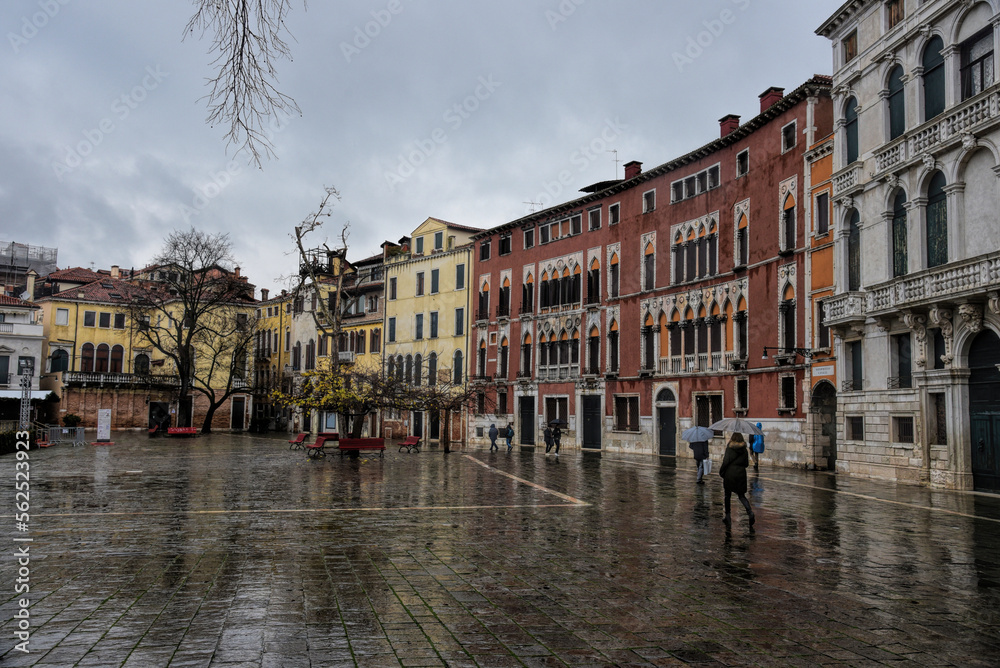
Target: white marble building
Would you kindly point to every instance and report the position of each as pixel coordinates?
(916, 310)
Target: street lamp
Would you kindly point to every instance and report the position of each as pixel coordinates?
(805, 352)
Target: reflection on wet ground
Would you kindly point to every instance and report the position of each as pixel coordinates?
(234, 550)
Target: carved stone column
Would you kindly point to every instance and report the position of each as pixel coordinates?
(942, 318)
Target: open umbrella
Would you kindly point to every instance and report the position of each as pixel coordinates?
(695, 434)
(737, 424)
(557, 423)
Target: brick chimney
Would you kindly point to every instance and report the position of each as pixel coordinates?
(769, 97)
(30, 288)
(728, 123)
(236, 270)
(633, 168)
(263, 294)
(115, 271)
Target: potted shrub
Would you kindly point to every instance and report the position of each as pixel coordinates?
(71, 420)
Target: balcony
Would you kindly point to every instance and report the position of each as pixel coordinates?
(852, 385)
(21, 329)
(848, 180)
(346, 357)
(969, 116)
(952, 282)
(503, 311)
(108, 378)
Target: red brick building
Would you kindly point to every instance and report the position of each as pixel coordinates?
(644, 306)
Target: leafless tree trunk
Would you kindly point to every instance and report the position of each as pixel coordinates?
(247, 42)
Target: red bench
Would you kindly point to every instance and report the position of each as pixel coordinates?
(356, 445)
(297, 442)
(182, 431)
(318, 449)
(411, 443)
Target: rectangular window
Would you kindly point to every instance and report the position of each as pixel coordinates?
(505, 244)
(480, 408)
(649, 201)
(556, 408)
(788, 137)
(893, 13)
(529, 238)
(104, 320)
(743, 393)
(460, 322)
(626, 413)
(788, 392)
(89, 318)
(977, 63)
(484, 250)
(391, 335)
(902, 429)
(119, 321)
(376, 340)
(392, 288)
(543, 234)
(743, 163)
(903, 377)
(856, 381)
(460, 277)
(708, 409)
(439, 241)
(418, 246)
(849, 46)
(594, 219)
(435, 281)
(576, 224)
(434, 324)
(855, 428)
(677, 191)
(822, 214)
(418, 329)
(62, 316)
(822, 330)
(938, 418)
(501, 402)
(288, 340)
(420, 283)
(614, 214)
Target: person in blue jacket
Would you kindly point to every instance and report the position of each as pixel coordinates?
(493, 437)
(756, 447)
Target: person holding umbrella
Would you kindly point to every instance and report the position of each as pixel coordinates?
(734, 475)
(698, 438)
(548, 439)
(556, 437)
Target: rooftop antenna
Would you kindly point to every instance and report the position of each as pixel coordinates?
(532, 205)
(615, 151)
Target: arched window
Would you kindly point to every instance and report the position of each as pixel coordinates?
(432, 369)
(458, 368)
(484, 302)
(900, 260)
(87, 357)
(543, 351)
(391, 369)
(503, 308)
(648, 267)
(613, 346)
(742, 241)
(854, 251)
(614, 277)
(418, 370)
(574, 348)
(933, 76)
(646, 334)
(297, 356)
(101, 361)
(594, 282)
(851, 129)
(504, 356)
(117, 355)
(482, 360)
(141, 364)
(594, 352)
(564, 348)
(310, 355)
(528, 295)
(977, 62)
(937, 222)
(897, 103)
(59, 361)
(526, 357)
(408, 374)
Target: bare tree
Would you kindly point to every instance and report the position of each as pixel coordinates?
(196, 311)
(247, 42)
(444, 396)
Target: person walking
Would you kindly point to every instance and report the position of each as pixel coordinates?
(548, 439)
(756, 447)
(493, 437)
(510, 436)
(700, 451)
(734, 474)
(557, 438)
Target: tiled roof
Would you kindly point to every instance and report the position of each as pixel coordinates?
(105, 290)
(77, 274)
(6, 300)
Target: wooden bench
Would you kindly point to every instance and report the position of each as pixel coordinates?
(411, 443)
(318, 449)
(182, 431)
(297, 442)
(353, 445)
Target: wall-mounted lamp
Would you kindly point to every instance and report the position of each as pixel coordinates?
(805, 352)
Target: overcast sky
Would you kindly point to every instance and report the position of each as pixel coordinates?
(463, 111)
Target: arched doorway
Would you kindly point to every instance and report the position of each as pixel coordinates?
(666, 420)
(984, 410)
(824, 429)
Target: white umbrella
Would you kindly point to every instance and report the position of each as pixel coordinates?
(737, 424)
(695, 434)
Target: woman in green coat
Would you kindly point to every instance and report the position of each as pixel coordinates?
(734, 474)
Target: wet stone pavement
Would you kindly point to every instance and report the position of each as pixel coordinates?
(232, 550)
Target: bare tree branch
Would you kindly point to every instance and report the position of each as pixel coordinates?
(247, 41)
